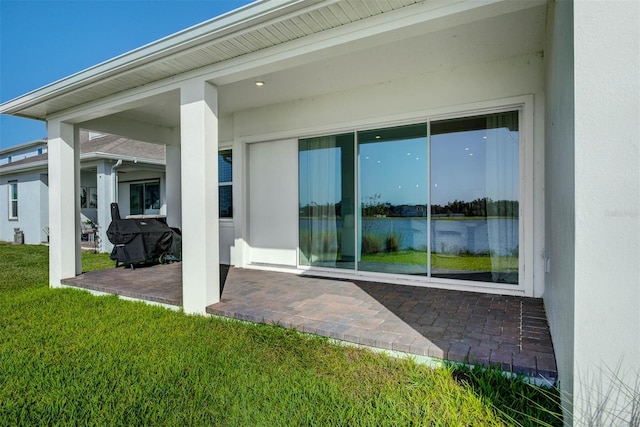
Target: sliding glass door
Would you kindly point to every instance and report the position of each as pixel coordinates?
(327, 202)
(437, 199)
(474, 198)
(393, 200)
(144, 198)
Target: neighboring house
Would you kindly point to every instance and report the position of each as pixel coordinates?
(23, 192)
(515, 123)
(25, 189)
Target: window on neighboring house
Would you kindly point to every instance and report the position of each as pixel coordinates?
(144, 198)
(39, 151)
(9, 159)
(225, 184)
(13, 200)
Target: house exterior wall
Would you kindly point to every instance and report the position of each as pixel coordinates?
(32, 213)
(410, 99)
(33, 204)
(607, 206)
(560, 186)
(44, 206)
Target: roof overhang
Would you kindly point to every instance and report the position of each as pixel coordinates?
(268, 36)
(24, 167)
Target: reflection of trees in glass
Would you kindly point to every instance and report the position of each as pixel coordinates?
(482, 207)
(327, 210)
(373, 207)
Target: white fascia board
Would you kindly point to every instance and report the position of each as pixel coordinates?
(233, 21)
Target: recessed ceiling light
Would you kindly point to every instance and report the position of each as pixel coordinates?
(259, 83)
(377, 136)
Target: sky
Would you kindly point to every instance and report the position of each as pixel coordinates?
(464, 165)
(47, 40)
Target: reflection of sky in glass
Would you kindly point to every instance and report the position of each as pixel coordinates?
(224, 166)
(395, 170)
(463, 167)
(462, 161)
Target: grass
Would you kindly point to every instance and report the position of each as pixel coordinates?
(69, 358)
(513, 398)
(450, 262)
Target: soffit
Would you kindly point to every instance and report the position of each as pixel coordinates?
(352, 65)
(264, 32)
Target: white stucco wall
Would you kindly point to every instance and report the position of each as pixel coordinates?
(273, 212)
(226, 240)
(607, 204)
(559, 202)
(31, 211)
(44, 206)
(452, 91)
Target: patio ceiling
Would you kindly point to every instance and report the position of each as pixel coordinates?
(301, 49)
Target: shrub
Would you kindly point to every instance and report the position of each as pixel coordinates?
(371, 244)
(392, 242)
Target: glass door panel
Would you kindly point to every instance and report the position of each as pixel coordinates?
(326, 197)
(393, 200)
(136, 199)
(474, 198)
(152, 198)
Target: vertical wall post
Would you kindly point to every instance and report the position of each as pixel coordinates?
(64, 203)
(199, 183)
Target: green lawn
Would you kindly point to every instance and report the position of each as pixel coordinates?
(70, 358)
(450, 262)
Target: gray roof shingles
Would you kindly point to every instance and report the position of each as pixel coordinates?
(107, 144)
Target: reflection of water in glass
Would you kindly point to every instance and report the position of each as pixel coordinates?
(447, 236)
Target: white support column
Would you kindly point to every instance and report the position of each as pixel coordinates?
(173, 194)
(199, 171)
(105, 197)
(64, 203)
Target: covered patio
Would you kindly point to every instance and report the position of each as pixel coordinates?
(508, 331)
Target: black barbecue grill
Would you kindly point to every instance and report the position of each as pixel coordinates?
(138, 240)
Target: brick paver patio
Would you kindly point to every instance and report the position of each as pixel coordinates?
(508, 331)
